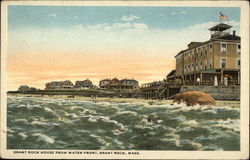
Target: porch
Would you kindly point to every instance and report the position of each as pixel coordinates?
(213, 77)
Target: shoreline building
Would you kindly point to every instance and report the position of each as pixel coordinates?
(86, 84)
(59, 85)
(212, 66)
(124, 84)
(213, 62)
(129, 84)
(104, 83)
(25, 88)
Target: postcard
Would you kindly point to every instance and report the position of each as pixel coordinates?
(125, 79)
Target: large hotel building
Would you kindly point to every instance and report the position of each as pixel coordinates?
(210, 62)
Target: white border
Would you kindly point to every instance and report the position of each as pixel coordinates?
(243, 154)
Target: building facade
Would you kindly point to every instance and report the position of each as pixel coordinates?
(129, 84)
(213, 62)
(104, 83)
(59, 85)
(86, 84)
(23, 88)
(124, 84)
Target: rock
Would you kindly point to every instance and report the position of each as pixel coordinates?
(194, 97)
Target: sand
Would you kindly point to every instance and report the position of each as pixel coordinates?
(123, 100)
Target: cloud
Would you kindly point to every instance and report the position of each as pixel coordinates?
(202, 26)
(205, 26)
(129, 17)
(162, 14)
(114, 27)
(52, 15)
(140, 26)
(173, 13)
(98, 26)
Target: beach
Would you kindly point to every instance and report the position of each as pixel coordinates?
(116, 100)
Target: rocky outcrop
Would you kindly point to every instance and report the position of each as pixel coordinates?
(194, 97)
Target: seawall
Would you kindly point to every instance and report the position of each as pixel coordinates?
(217, 92)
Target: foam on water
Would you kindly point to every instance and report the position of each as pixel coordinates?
(230, 124)
(44, 138)
(58, 123)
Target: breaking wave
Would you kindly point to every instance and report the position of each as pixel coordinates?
(46, 123)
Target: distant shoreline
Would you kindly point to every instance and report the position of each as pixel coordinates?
(219, 103)
(85, 93)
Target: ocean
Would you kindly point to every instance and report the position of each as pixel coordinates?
(57, 123)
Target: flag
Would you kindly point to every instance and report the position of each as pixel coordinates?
(223, 17)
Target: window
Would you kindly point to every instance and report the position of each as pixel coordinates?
(223, 63)
(223, 47)
(238, 48)
(238, 63)
(205, 63)
(210, 47)
(211, 63)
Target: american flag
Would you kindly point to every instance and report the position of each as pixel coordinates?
(223, 17)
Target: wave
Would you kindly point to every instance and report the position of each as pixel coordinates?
(44, 138)
(48, 123)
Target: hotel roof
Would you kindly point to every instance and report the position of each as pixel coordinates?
(220, 27)
(224, 37)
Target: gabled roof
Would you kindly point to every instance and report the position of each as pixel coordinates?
(115, 80)
(84, 82)
(129, 80)
(107, 79)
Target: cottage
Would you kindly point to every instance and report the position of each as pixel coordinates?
(129, 84)
(23, 88)
(104, 83)
(86, 84)
(124, 84)
(66, 85)
(59, 85)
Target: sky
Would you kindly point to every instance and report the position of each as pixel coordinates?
(49, 43)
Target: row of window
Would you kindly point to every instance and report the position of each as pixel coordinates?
(204, 50)
(200, 50)
(223, 63)
(223, 47)
(200, 65)
(197, 67)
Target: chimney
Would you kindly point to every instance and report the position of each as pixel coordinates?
(234, 32)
